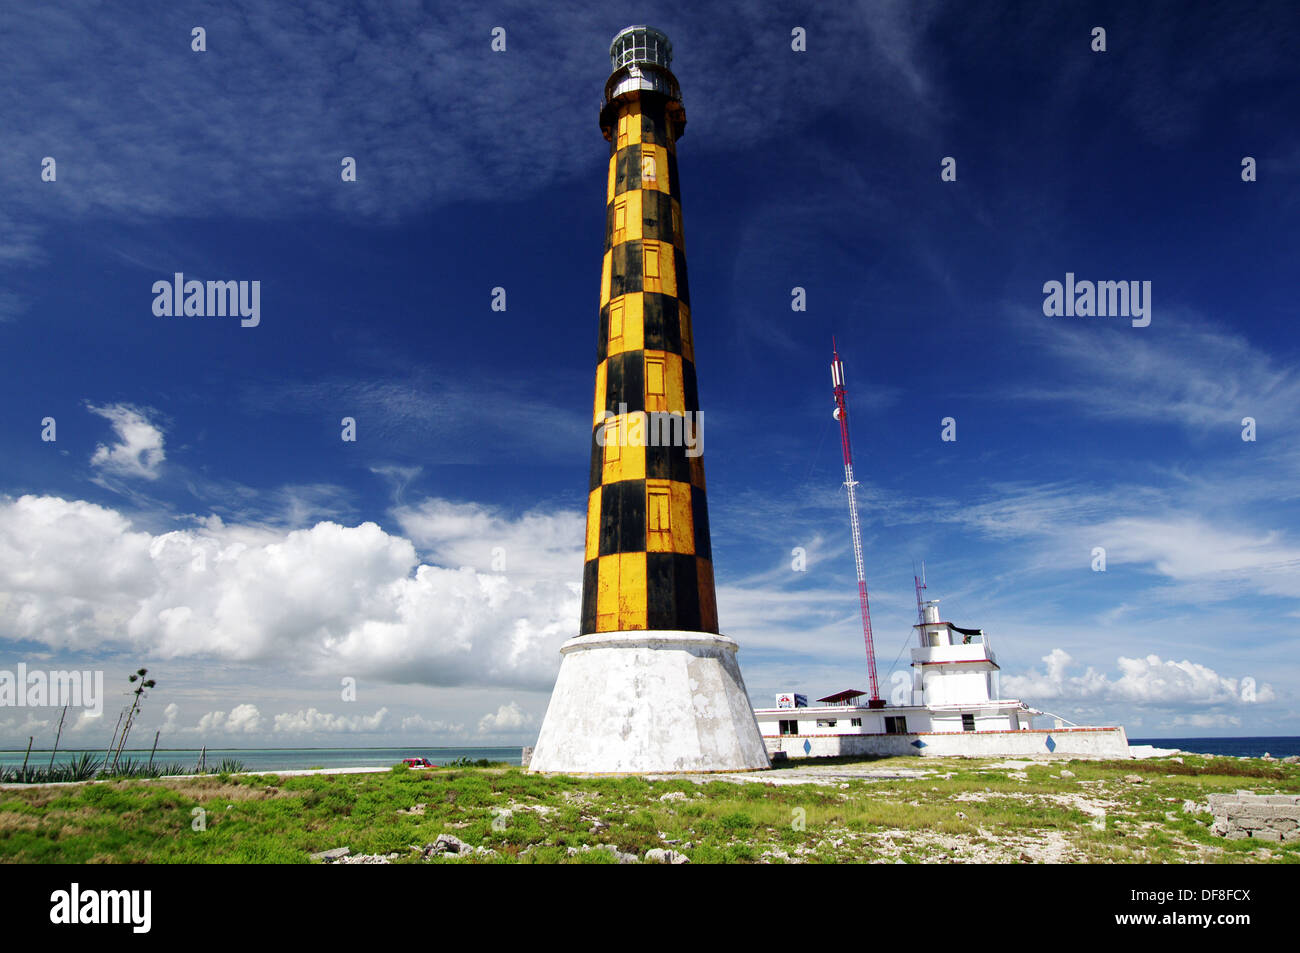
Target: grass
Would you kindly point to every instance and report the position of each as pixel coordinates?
(957, 810)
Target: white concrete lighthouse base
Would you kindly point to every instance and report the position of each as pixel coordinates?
(649, 702)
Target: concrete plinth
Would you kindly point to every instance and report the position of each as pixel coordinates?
(649, 702)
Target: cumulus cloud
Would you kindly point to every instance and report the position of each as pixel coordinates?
(418, 723)
(311, 720)
(329, 598)
(509, 717)
(1149, 680)
(244, 719)
(139, 448)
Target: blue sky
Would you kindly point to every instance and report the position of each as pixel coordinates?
(198, 512)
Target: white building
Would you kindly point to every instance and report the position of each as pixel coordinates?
(955, 708)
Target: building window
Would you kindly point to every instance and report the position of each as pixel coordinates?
(967, 722)
(825, 722)
(789, 727)
(856, 722)
(895, 725)
(649, 173)
(623, 121)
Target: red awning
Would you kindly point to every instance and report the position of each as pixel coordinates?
(843, 696)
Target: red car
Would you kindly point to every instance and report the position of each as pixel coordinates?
(418, 763)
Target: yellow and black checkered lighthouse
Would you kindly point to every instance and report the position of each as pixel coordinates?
(648, 562)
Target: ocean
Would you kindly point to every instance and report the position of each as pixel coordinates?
(1277, 746)
(280, 759)
(283, 759)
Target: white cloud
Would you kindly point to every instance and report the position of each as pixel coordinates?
(418, 723)
(244, 719)
(1143, 681)
(509, 717)
(139, 450)
(328, 599)
(1210, 720)
(311, 720)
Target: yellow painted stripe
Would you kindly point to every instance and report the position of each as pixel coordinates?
(605, 268)
(630, 324)
(654, 159)
(628, 209)
(598, 405)
(593, 524)
(624, 459)
(632, 591)
(683, 520)
(607, 578)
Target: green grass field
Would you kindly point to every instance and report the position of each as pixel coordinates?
(956, 811)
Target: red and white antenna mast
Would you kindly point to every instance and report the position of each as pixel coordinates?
(920, 584)
(850, 484)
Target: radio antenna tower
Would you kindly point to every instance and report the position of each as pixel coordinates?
(850, 484)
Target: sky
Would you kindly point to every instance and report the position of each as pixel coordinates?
(199, 513)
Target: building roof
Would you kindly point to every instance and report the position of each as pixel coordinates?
(842, 696)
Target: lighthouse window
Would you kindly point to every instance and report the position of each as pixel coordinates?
(648, 170)
(654, 377)
(657, 516)
(967, 722)
(616, 322)
(620, 221)
(622, 130)
(652, 259)
(611, 440)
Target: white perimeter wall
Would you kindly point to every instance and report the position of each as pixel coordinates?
(1069, 743)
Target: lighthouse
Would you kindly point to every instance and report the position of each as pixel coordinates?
(649, 684)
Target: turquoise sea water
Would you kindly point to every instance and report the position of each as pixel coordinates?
(281, 759)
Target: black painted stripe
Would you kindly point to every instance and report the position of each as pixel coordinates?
(667, 463)
(625, 273)
(656, 216)
(590, 590)
(627, 169)
(622, 517)
(625, 382)
(683, 285)
(690, 390)
(672, 592)
(597, 461)
(663, 329)
(700, 518)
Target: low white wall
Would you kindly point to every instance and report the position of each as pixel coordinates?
(1029, 743)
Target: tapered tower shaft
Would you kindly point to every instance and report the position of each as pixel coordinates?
(649, 684)
(648, 561)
